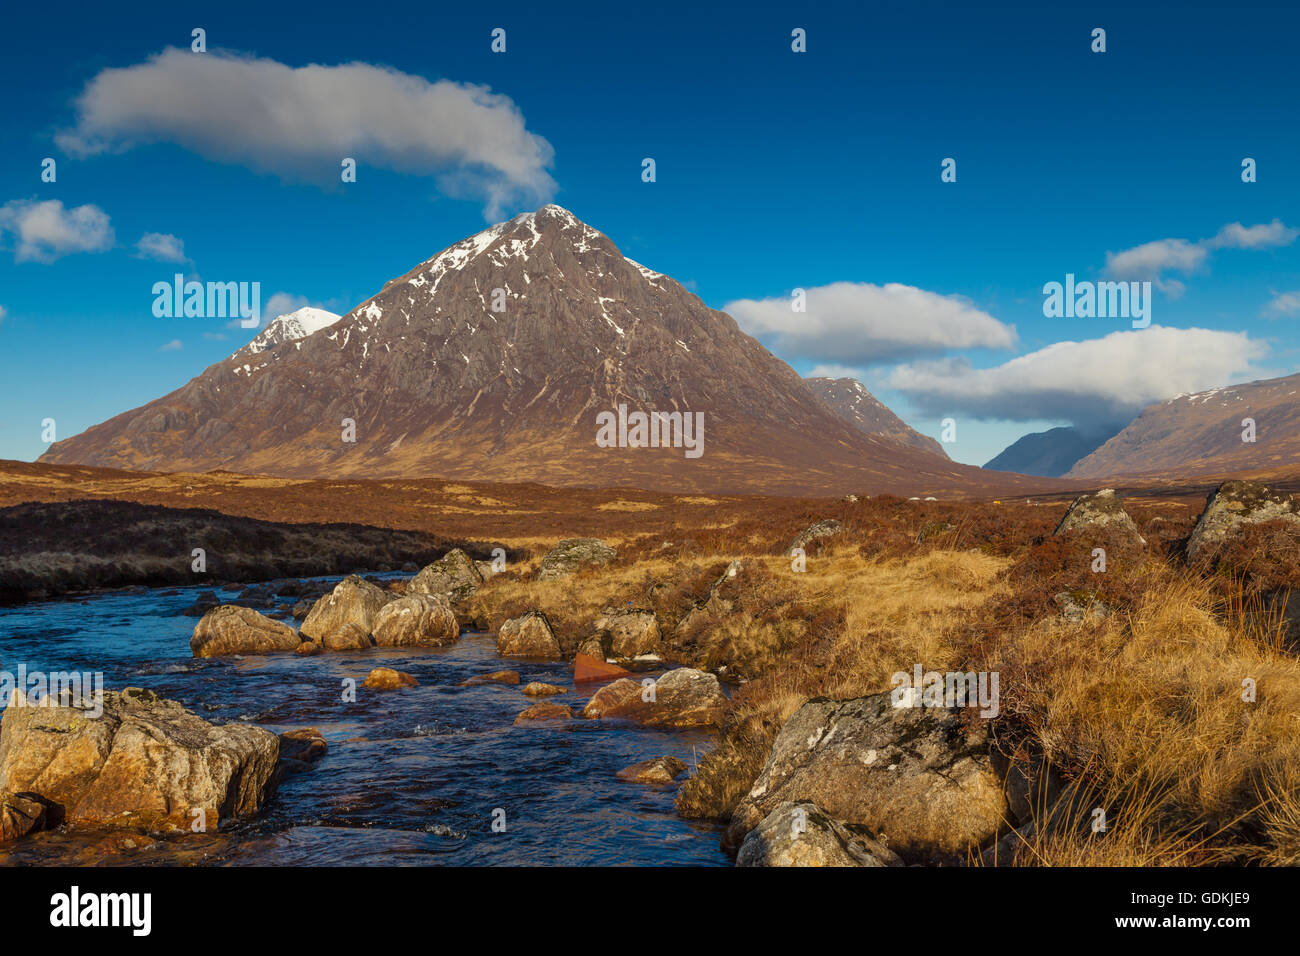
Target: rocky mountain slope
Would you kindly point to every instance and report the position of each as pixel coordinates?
(1201, 434)
(851, 401)
(492, 361)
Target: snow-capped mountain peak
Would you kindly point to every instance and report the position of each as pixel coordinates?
(288, 327)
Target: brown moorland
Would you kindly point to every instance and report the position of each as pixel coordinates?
(1139, 709)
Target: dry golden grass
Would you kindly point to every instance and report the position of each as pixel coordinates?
(1149, 708)
(1142, 712)
(887, 614)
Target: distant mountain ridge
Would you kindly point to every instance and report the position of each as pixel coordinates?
(1201, 434)
(1051, 453)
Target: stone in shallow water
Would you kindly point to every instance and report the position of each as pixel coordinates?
(20, 814)
(544, 711)
(496, 677)
(539, 689)
(344, 618)
(589, 668)
(419, 620)
(683, 697)
(662, 770)
(230, 629)
(385, 678)
(144, 763)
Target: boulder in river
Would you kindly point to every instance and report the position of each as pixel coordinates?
(230, 629)
(385, 678)
(306, 744)
(20, 814)
(915, 774)
(346, 637)
(204, 603)
(454, 575)
(143, 763)
(544, 711)
(496, 677)
(299, 749)
(683, 697)
(573, 554)
(528, 636)
(588, 668)
(539, 689)
(418, 620)
(660, 770)
(1233, 504)
(351, 606)
(800, 834)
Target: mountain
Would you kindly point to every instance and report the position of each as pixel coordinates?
(1051, 453)
(849, 399)
(1201, 435)
(493, 361)
(288, 328)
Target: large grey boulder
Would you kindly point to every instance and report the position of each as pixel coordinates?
(573, 554)
(144, 762)
(800, 834)
(231, 629)
(344, 618)
(1233, 504)
(915, 775)
(417, 620)
(628, 633)
(1098, 511)
(454, 575)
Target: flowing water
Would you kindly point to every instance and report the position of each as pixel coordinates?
(413, 776)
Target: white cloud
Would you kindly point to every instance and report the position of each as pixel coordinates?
(171, 346)
(831, 370)
(162, 247)
(1283, 303)
(301, 122)
(1236, 236)
(1096, 381)
(282, 303)
(45, 230)
(865, 323)
(1152, 260)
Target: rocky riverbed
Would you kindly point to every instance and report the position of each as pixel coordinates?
(413, 775)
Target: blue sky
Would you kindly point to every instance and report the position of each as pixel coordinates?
(775, 171)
